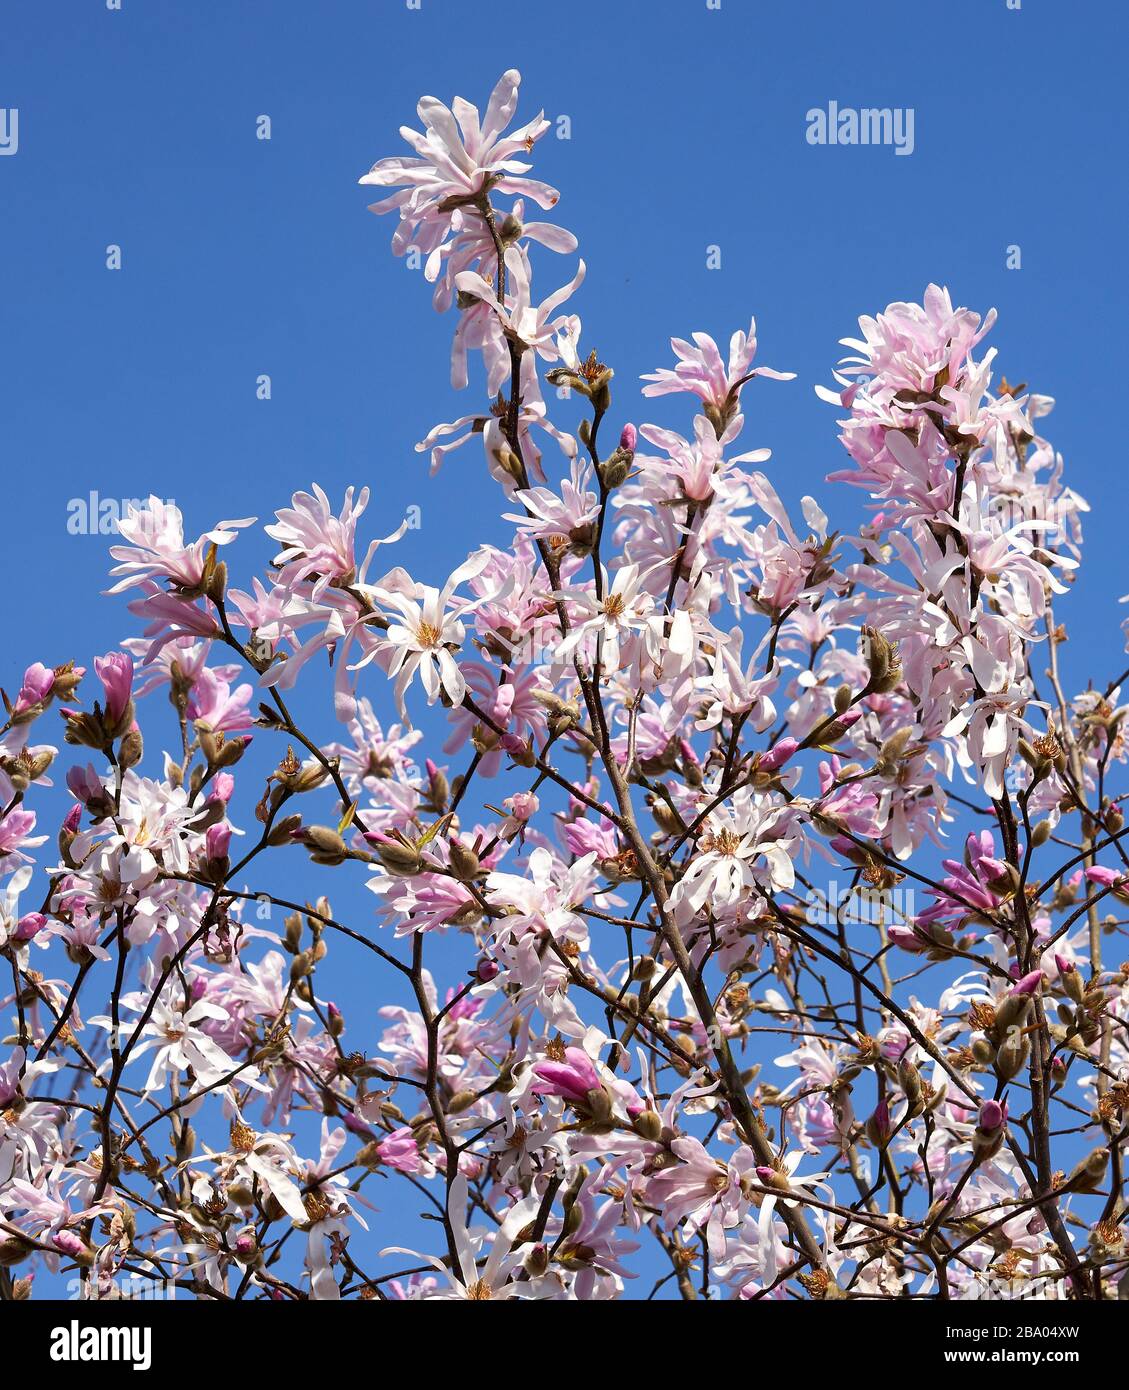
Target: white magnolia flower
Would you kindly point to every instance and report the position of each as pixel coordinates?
(180, 1044)
(616, 618)
(739, 852)
(469, 1282)
(426, 631)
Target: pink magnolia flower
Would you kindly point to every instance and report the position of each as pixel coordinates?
(535, 326)
(400, 1151)
(459, 155)
(702, 371)
(157, 549)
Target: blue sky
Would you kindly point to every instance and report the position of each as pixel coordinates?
(137, 128)
(242, 257)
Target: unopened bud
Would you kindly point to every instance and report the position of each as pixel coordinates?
(909, 1078)
(1087, 1176)
(648, 1124)
(464, 862)
(1011, 1055)
(644, 969)
(326, 846)
(397, 857)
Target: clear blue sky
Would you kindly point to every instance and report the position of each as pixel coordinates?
(242, 257)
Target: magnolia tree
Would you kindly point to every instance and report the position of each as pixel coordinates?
(666, 974)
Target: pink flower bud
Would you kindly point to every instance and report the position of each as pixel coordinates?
(85, 784)
(29, 926)
(487, 970)
(223, 787)
(115, 671)
(628, 438)
(37, 685)
(72, 819)
(1062, 965)
(992, 1115)
(400, 1151)
(778, 754)
(1029, 984)
(68, 1243)
(217, 840)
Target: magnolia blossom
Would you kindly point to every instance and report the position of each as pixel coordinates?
(429, 629)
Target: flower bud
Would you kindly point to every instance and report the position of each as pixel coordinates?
(991, 1127)
(909, 1078)
(519, 749)
(648, 1124)
(438, 788)
(1070, 979)
(1088, 1174)
(326, 846)
(599, 1105)
(644, 969)
(29, 926)
(131, 749)
(245, 1247)
(777, 755)
(1012, 1055)
(772, 1177)
(400, 859)
(878, 1126)
(285, 831)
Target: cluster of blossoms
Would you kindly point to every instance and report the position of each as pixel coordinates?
(627, 1026)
